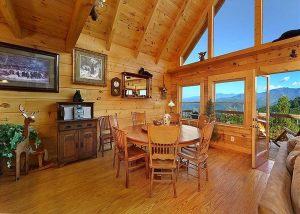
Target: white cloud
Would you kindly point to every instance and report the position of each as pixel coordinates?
(285, 79)
(275, 86)
(296, 84)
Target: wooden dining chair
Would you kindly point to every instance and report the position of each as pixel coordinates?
(105, 136)
(202, 121)
(128, 154)
(113, 121)
(138, 118)
(200, 155)
(163, 143)
(175, 119)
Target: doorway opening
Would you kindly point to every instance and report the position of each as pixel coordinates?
(282, 106)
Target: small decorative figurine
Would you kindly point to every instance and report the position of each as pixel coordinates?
(77, 97)
(202, 56)
(167, 119)
(146, 73)
(293, 53)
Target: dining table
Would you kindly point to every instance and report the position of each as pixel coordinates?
(138, 135)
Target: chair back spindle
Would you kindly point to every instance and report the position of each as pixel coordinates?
(138, 118)
(206, 134)
(120, 140)
(163, 142)
(202, 121)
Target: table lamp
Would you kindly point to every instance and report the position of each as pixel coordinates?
(171, 104)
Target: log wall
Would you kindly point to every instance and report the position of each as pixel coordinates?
(120, 59)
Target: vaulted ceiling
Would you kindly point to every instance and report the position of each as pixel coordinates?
(160, 28)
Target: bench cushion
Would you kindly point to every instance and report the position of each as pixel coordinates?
(277, 195)
(295, 189)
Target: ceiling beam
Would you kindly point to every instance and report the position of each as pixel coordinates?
(198, 29)
(258, 22)
(9, 14)
(146, 26)
(170, 32)
(112, 28)
(211, 23)
(80, 14)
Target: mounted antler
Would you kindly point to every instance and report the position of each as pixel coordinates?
(28, 119)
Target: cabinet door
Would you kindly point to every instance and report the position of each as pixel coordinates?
(68, 142)
(88, 143)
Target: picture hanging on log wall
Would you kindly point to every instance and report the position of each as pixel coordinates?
(26, 69)
(89, 67)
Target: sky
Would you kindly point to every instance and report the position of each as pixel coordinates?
(234, 30)
(191, 91)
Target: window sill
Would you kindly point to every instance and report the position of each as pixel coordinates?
(231, 125)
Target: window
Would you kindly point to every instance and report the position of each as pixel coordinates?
(234, 26)
(229, 102)
(190, 102)
(279, 17)
(201, 46)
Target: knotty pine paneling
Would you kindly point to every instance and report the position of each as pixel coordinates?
(120, 59)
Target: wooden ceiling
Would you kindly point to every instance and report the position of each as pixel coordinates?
(159, 28)
(155, 27)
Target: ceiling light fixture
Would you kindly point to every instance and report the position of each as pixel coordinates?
(98, 4)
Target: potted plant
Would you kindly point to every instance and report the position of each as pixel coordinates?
(10, 136)
(210, 112)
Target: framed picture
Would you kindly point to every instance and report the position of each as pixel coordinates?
(27, 69)
(89, 67)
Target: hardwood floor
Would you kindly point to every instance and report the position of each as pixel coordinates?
(91, 187)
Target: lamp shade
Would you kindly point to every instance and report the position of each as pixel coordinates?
(171, 104)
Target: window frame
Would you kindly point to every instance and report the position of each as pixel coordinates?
(249, 77)
(215, 102)
(179, 97)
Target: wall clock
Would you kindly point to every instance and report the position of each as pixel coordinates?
(116, 86)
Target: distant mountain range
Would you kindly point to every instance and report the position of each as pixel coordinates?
(275, 94)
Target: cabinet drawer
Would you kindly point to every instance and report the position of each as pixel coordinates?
(89, 124)
(77, 125)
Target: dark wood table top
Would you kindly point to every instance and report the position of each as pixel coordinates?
(136, 134)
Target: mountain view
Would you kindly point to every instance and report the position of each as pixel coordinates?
(275, 94)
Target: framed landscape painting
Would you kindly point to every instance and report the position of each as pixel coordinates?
(89, 67)
(27, 69)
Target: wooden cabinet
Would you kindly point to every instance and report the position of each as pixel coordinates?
(77, 140)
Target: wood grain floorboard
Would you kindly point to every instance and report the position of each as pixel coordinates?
(91, 187)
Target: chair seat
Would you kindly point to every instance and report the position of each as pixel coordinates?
(133, 153)
(163, 164)
(191, 156)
